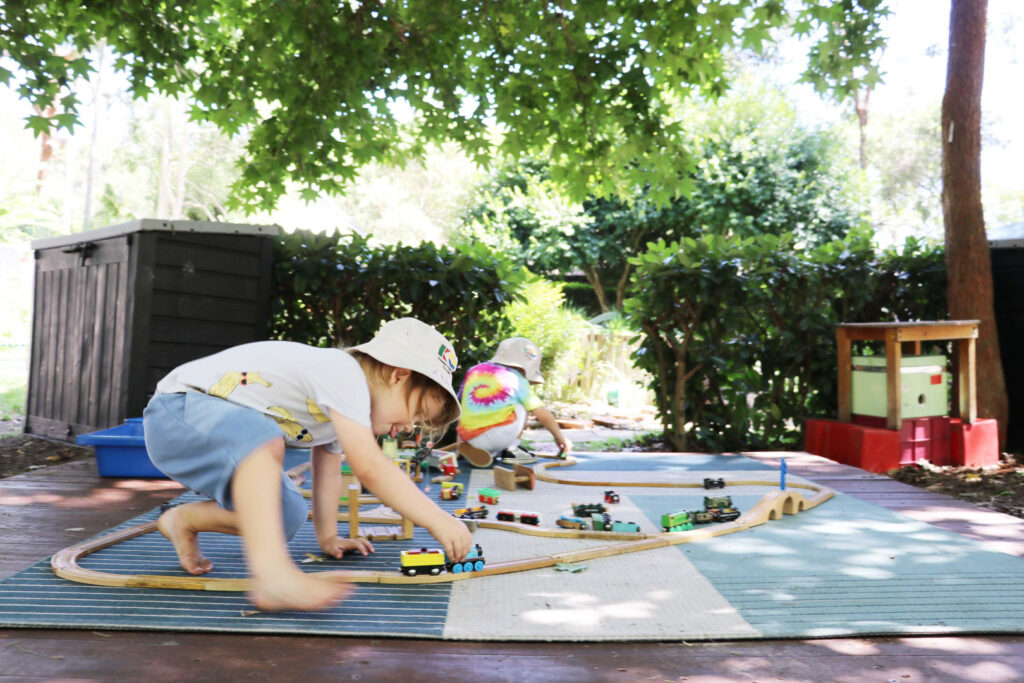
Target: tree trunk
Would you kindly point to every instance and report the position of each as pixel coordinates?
(179, 195)
(679, 436)
(593, 277)
(968, 259)
(164, 198)
(620, 289)
(861, 105)
(97, 107)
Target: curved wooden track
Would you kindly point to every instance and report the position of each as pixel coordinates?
(772, 506)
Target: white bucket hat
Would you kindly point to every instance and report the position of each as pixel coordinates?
(520, 352)
(414, 345)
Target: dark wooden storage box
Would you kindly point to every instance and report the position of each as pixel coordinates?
(119, 307)
(1008, 290)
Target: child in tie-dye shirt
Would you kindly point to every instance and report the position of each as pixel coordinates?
(496, 396)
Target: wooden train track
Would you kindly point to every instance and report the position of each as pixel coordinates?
(772, 506)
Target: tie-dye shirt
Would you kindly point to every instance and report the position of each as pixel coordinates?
(489, 394)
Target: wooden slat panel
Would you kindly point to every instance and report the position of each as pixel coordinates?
(214, 284)
(120, 368)
(141, 280)
(172, 355)
(251, 244)
(171, 330)
(106, 251)
(106, 364)
(213, 308)
(75, 338)
(196, 258)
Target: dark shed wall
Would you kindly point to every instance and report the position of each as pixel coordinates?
(78, 338)
(109, 322)
(204, 293)
(1008, 286)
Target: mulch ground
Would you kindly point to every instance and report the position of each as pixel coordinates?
(23, 453)
(999, 488)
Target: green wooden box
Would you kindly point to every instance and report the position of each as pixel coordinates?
(923, 386)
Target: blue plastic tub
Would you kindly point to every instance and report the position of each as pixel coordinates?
(121, 451)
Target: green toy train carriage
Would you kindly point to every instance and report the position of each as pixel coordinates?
(676, 521)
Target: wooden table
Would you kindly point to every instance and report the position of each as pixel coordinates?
(964, 332)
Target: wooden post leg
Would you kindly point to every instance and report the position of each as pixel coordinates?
(966, 380)
(844, 377)
(353, 510)
(893, 381)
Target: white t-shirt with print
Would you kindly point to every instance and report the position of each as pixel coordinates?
(293, 383)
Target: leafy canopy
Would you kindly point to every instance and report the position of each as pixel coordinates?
(319, 87)
(756, 171)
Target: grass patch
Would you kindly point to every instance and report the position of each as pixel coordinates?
(12, 401)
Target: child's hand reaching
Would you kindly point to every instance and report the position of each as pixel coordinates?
(453, 535)
(336, 547)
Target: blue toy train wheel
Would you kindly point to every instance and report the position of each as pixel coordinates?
(457, 568)
(479, 565)
(467, 566)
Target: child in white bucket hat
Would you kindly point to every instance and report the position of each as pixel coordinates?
(496, 397)
(220, 425)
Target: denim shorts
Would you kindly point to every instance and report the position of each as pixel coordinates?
(199, 440)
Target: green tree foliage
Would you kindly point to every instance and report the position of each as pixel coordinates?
(334, 290)
(738, 331)
(585, 84)
(757, 171)
(540, 315)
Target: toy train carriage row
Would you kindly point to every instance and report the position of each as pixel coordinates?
(598, 523)
(433, 561)
(684, 520)
(531, 518)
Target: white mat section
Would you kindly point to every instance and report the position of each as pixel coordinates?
(650, 595)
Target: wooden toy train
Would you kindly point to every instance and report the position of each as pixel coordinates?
(434, 561)
(598, 522)
(531, 518)
(716, 509)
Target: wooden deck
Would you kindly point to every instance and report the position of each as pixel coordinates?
(47, 510)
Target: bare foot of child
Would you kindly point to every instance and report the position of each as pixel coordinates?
(186, 542)
(297, 591)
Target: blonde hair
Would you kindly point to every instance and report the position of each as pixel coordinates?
(380, 372)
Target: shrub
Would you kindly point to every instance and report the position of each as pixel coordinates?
(334, 290)
(738, 332)
(539, 315)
